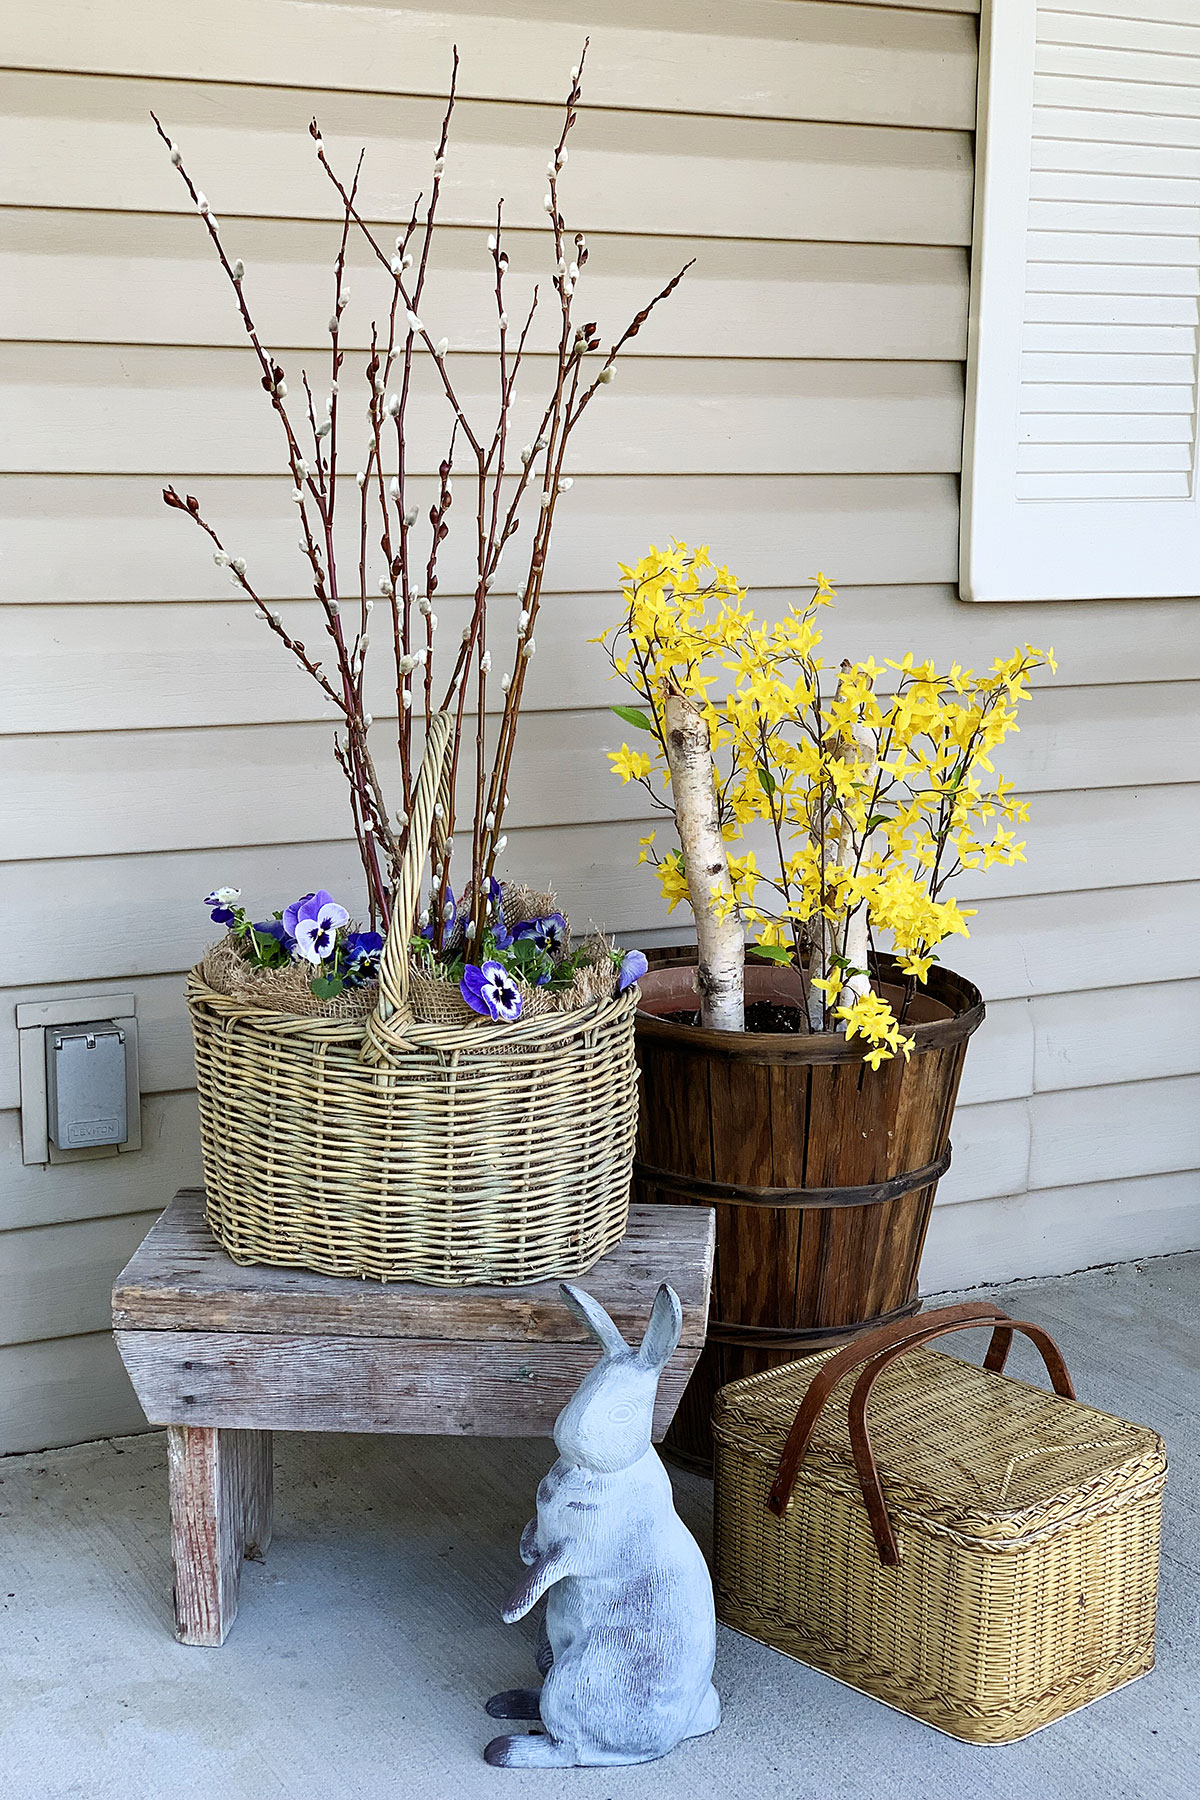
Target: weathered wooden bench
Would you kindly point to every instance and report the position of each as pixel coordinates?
(223, 1355)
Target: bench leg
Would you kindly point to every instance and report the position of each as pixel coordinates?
(221, 1507)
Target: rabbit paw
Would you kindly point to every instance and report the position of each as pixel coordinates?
(533, 1752)
(516, 1703)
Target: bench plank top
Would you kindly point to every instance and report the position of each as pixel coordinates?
(180, 1279)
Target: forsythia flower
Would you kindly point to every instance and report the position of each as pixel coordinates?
(872, 783)
(630, 765)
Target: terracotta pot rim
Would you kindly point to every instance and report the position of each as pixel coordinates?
(963, 1001)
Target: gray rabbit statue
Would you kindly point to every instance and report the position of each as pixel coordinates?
(630, 1631)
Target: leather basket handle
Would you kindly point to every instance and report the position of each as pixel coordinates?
(860, 1437)
(877, 1356)
(860, 1350)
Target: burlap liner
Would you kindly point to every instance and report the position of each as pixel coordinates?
(436, 1000)
(281, 990)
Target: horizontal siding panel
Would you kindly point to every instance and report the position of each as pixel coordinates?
(109, 1186)
(107, 668)
(114, 917)
(64, 1392)
(122, 793)
(1056, 1231)
(1120, 936)
(141, 411)
(56, 1280)
(991, 1152)
(1116, 1034)
(1125, 1129)
(1077, 1135)
(151, 279)
(87, 143)
(1044, 1044)
(112, 535)
(754, 60)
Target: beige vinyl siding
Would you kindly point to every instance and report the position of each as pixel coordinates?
(798, 406)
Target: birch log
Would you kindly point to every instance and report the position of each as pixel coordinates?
(721, 941)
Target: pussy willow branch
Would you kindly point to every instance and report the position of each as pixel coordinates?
(275, 388)
(499, 497)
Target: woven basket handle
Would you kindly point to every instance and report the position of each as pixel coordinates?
(860, 1437)
(426, 831)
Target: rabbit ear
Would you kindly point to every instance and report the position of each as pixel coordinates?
(595, 1318)
(664, 1330)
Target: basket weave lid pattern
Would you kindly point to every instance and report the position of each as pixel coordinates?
(980, 1451)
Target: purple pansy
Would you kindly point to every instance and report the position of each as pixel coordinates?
(314, 921)
(221, 902)
(489, 988)
(275, 928)
(548, 934)
(362, 945)
(633, 967)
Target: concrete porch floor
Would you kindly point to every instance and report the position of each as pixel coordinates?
(369, 1639)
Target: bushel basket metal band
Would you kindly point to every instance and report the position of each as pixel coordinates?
(449, 1154)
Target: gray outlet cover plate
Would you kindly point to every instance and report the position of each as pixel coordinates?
(34, 1018)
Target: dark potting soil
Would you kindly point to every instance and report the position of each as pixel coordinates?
(761, 1015)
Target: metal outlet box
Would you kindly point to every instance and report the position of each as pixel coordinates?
(85, 1085)
(71, 1094)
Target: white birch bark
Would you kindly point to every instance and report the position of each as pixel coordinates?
(721, 942)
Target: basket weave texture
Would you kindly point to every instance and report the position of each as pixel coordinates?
(452, 1154)
(1028, 1528)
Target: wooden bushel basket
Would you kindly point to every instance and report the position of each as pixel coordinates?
(443, 1153)
(823, 1171)
(966, 1548)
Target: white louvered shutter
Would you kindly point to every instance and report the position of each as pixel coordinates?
(1080, 476)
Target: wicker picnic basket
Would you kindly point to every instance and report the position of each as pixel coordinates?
(452, 1154)
(984, 1556)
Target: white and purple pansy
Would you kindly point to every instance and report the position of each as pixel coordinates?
(314, 922)
(633, 967)
(221, 902)
(489, 988)
(548, 934)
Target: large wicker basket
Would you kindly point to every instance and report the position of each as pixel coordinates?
(982, 1555)
(449, 1154)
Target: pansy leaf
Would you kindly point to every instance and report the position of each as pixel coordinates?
(326, 987)
(634, 715)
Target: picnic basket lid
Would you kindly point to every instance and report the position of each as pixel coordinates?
(991, 1456)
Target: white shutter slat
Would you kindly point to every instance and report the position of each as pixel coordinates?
(1110, 279)
(1113, 247)
(1116, 97)
(1132, 217)
(1082, 427)
(1067, 457)
(1068, 486)
(1105, 428)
